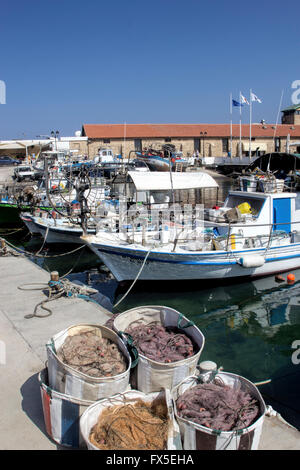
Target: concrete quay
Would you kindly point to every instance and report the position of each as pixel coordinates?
(23, 356)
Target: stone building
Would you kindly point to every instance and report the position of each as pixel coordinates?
(291, 115)
(211, 140)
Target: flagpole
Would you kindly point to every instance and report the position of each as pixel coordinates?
(250, 124)
(240, 128)
(230, 125)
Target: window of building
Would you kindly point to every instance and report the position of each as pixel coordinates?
(106, 141)
(252, 138)
(168, 139)
(138, 145)
(225, 146)
(197, 145)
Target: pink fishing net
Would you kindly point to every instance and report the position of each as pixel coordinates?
(218, 406)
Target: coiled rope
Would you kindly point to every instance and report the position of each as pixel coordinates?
(57, 289)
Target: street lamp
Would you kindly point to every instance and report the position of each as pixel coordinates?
(55, 135)
(203, 134)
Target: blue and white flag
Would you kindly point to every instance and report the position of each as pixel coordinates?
(255, 98)
(236, 103)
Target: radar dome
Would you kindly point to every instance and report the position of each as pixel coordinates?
(77, 133)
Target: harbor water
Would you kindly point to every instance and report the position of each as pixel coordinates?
(250, 328)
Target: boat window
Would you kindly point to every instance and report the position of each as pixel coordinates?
(25, 168)
(235, 200)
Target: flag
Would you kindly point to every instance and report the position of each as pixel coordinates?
(255, 98)
(236, 103)
(244, 100)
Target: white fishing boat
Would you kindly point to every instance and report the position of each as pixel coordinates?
(56, 230)
(253, 234)
(54, 227)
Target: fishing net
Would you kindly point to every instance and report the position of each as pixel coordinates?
(110, 322)
(161, 344)
(136, 426)
(218, 406)
(93, 355)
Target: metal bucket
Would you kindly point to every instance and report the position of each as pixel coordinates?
(152, 376)
(65, 379)
(197, 437)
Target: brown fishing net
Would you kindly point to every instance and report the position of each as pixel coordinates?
(218, 406)
(161, 344)
(93, 355)
(110, 322)
(136, 426)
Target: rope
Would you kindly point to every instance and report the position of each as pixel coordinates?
(46, 235)
(137, 276)
(4, 251)
(44, 256)
(9, 232)
(57, 289)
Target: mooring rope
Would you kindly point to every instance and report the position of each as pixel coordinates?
(57, 289)
(136, 278)
(43, 256)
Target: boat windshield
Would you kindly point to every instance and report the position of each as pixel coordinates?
(235, 200)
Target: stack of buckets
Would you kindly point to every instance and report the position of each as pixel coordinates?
(66, 393)
(72, 404)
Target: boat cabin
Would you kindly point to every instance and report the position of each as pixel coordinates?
(255, 212)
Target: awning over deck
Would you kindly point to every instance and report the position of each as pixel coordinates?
(163, 181)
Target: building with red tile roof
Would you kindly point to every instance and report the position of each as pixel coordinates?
(215, 140)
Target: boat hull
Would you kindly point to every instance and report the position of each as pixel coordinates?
(125, 263)
(54, 234)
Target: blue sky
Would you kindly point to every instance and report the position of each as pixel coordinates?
(69, 62)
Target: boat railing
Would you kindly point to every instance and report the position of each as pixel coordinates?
(273, 232)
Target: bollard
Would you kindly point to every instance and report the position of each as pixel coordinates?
(54, 276)
(3, 248)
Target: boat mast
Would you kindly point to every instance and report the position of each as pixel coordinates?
(277, 121)
(240, 152)
(250, 122)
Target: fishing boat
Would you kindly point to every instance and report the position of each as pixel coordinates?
(163, 160)
(56, 230)
(252, 234)
(57, 227)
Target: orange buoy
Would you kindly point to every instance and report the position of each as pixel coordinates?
(290, 277)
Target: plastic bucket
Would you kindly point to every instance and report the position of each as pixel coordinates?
(197, 437)
(152, 376)
(248, 183)
(90, 416)
(62, 414)
(65, 379)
